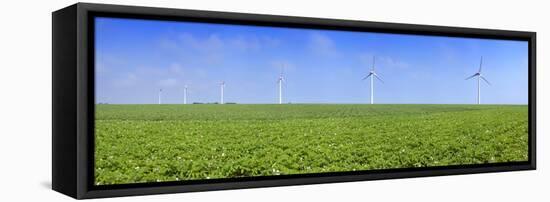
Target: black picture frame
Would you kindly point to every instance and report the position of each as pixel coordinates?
(73, 100)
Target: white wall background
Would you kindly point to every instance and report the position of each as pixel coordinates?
(25, 99)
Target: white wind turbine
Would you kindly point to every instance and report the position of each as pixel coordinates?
(222, 86)
(479, 77)
(160, 96)
(372, 74)
(280, 81)
(185, 94)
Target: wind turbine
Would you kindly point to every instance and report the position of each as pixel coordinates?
(280, 81)
(372, 74)
(160, 94)
(222, 86)
(479, 77)
(185, 94)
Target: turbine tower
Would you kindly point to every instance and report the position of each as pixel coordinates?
(185, 94)
(160, 96)
(280, 81)
(372, 74)
(222, 86)
(479, 77)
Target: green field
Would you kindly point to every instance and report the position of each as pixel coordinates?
(151, 143)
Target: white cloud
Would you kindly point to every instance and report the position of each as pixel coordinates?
(392, 62)
(177, 69)
(245, 44)
(213, 48)
(105, 63)
(171, 82)
(215, 42)
(127, 80)
(382, 61)
(210, 48)
(270, 41)
(322, 45)
(279, 64)
(211, 43)
(447, 52)
(366, 58)
(101, 68)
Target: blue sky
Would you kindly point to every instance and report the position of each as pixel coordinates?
(136, 58)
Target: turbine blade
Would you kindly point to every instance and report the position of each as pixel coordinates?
(480, 64)
(373, 61)
(471, 77)
(376, 76)
(366, 77)
(281, 77)
(484, 79)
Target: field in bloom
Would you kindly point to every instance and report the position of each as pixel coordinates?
(152, 143)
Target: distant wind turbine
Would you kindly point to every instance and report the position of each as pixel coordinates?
(222, 86)
(280, 81)
(479, 77)
(160, 96)
(185, 94)
(372, 74)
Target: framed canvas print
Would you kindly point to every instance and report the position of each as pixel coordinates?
(156, 100)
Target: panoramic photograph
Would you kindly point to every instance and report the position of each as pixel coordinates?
(180, 101)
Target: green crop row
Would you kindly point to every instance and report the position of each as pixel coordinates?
(150, 143)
